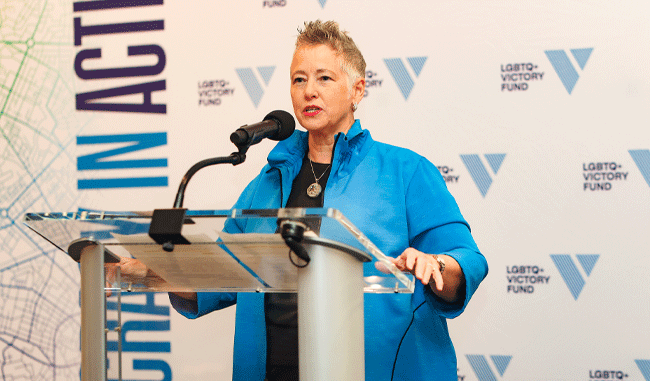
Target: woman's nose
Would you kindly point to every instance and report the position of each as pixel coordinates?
(310, 90)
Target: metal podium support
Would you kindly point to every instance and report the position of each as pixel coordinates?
(93, 338)
(330, 316)
(91, 256)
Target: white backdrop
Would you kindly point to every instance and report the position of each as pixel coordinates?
(535, 112)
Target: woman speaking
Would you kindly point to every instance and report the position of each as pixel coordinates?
(396, 197)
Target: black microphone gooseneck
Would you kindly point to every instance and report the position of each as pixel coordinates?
(277, 125)
(166, 224)
(235, 158)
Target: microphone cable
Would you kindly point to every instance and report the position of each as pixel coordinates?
(392, 374)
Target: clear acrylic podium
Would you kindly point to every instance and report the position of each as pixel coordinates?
(341, 264)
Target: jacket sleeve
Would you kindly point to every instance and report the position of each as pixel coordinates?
(436, 226)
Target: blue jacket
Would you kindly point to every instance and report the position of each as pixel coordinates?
(398, 199)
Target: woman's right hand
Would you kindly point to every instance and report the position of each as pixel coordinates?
(131, 270)
(134, 271)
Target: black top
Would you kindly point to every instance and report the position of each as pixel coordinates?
(281, 309)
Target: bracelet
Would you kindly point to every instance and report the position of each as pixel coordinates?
(441, 263)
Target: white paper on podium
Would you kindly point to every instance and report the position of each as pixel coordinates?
(202, 265)
(267, 256)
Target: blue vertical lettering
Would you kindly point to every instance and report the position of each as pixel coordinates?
(140, 346)
(154, 365)
(149, 307)
(97, 161)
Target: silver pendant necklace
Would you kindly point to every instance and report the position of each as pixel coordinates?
(314, 190)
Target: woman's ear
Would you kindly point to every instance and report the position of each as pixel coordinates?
(358, 89)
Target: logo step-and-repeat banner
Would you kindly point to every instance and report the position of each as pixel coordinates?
(536, 115)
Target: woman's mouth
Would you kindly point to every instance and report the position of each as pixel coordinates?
(311, 110)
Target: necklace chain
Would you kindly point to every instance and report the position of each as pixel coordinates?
(315, 189)
(314, 173)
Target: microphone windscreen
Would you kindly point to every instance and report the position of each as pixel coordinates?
(285, 121)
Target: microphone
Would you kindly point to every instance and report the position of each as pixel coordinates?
(277, 125)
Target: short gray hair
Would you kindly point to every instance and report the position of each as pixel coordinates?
(328, 33)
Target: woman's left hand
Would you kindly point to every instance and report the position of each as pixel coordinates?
(423, 266)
